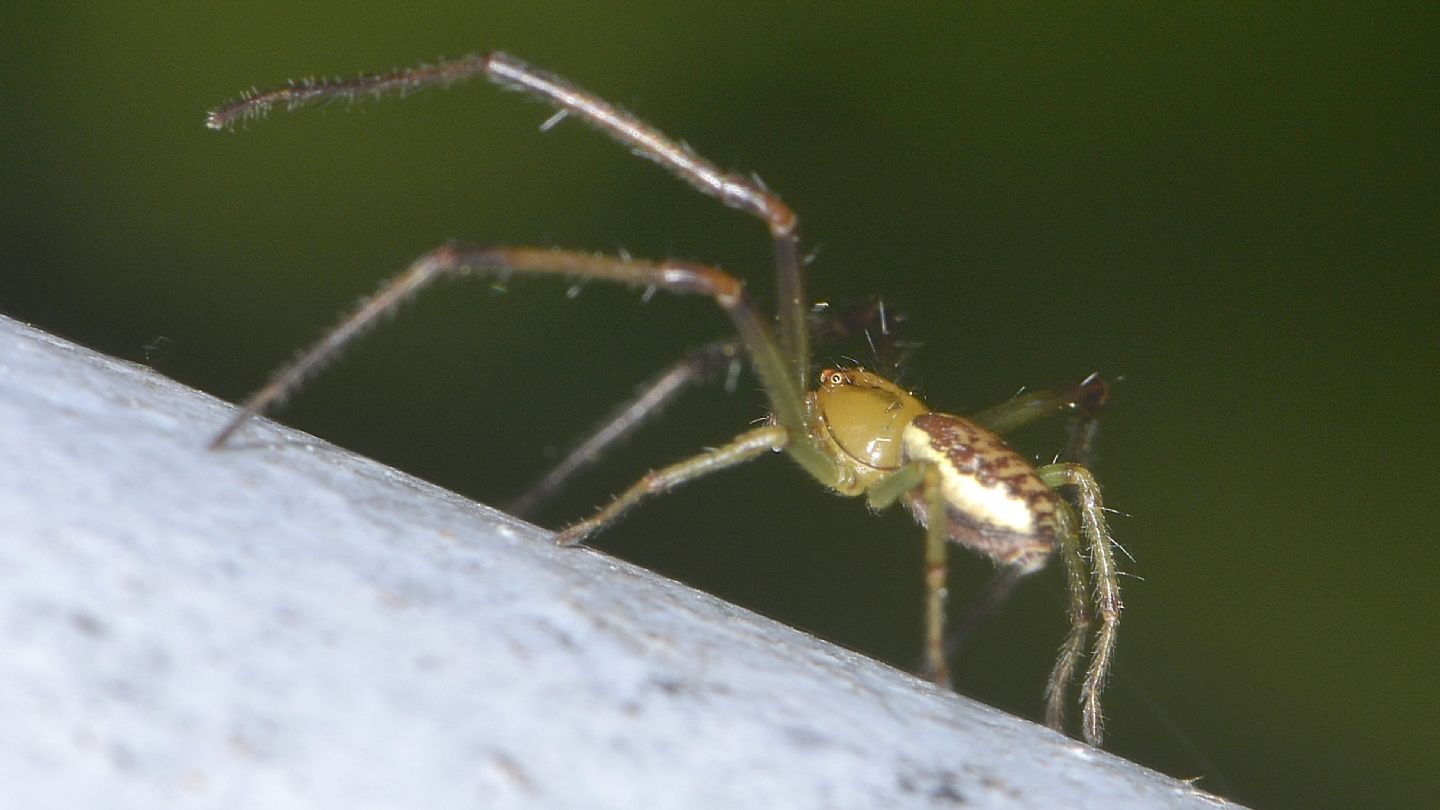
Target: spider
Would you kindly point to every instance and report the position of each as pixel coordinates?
(855, 431)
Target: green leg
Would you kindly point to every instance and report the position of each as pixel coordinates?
(1107, 602)
(885, 492)
(746, 446)
(1078, 587)
(1082, 402)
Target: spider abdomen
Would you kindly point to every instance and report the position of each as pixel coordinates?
(995, 502)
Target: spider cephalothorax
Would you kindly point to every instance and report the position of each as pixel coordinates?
(856, 433)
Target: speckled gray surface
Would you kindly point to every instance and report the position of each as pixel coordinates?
(284, 624)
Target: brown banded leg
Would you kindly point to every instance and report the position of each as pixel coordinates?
(786, 399)
(746, 446)
(737, 191)
(1107, 603)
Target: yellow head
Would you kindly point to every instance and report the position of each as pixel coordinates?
(860, 416)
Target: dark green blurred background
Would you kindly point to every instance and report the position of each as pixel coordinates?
(1232, 212)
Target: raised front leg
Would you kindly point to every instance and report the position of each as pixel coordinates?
(739, 191)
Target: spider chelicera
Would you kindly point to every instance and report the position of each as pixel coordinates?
(856, 432)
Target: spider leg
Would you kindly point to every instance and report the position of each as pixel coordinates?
(1082, 402)
(1094, 394)
(703, 366)
(1077, 581)
(995, 594)
(786, 398)
(737, 191)
(699, 366)
(886, 491)
(1106, 596)
(744, 447)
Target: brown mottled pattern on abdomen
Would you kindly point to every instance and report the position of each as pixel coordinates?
(996, 503)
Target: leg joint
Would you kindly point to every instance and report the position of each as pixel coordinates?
(696, 278)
